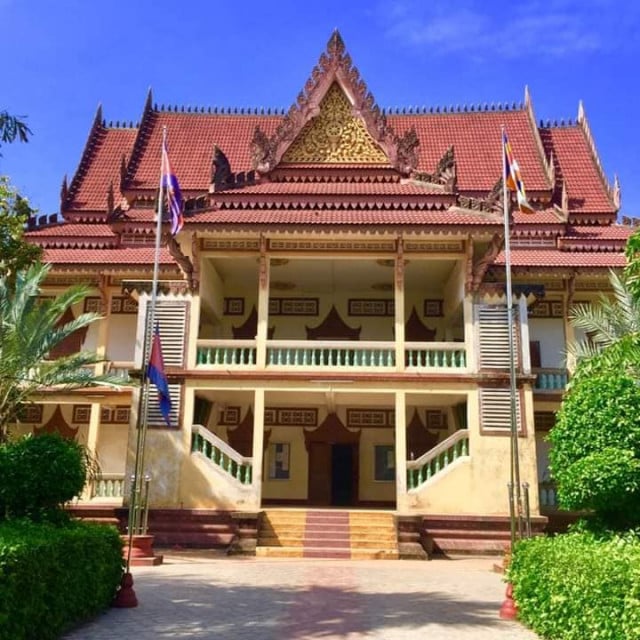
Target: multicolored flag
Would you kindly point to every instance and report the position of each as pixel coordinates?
(157, 376)
(513, 178)
(174, 195)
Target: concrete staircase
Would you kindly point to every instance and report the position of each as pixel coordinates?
(302, 533)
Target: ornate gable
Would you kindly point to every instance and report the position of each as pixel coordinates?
(335, 135)
(334, 111)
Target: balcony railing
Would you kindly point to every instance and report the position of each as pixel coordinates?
(548, 497)
(332, 354)
(550, 379)
(108, 485)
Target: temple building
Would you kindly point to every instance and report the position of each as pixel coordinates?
(333, 314)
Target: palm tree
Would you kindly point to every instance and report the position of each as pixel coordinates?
(611, 326)
(30, 329)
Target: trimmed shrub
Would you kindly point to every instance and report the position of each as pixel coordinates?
(52, 578)
(595, 452)
(578, 586)
(39, 474)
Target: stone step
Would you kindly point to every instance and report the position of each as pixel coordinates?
(327, 553)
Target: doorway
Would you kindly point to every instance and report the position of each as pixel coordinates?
(342, 475)
(333, 474)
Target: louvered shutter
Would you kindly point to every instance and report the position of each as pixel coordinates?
(171, 318)
(495, 409)
(493, 336)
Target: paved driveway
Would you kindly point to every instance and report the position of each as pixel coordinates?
(208, 596)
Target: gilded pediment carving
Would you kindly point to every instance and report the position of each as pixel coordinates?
(335, 135)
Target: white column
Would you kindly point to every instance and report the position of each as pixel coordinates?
(93, 434)
(470, 342)
(263, 312)
(524, 335)
(402, 501)
(258, 445)
(399, 309)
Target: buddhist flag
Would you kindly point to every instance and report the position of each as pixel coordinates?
(174, 195)
(512, 177)
(157, 375)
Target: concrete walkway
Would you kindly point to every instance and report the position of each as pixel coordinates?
(204, 595)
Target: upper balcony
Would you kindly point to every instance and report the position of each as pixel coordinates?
(328, 314)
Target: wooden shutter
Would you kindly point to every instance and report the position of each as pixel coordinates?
(171, 318)
(495, 409)
(493, 336)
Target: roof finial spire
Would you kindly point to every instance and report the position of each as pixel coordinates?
(97, 121)
(617, 192)
(148, 105)
(64, 192)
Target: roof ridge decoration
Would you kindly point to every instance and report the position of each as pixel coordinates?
(492, 203)
(128, 169)
(583, 123)
(547, 165)
(68, 192)
(445, 173)
(335, 65)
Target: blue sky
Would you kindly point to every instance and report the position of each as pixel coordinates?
(60, 59)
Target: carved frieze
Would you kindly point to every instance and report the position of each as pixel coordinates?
(335, 135)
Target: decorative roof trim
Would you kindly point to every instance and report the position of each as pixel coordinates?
(128, 169)
(583, 123)
(335, 65)
(67, 193)
(547, 164)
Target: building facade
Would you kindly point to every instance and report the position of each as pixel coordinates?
(333, 313)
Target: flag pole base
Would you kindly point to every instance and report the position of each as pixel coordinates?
(509, 610)
(142, 554)
(126, 597)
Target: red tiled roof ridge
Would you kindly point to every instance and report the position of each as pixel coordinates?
(66, 195)
(129, 170)
(583, 124)
(547, 163)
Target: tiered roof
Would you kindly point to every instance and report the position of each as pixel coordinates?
(429, 171)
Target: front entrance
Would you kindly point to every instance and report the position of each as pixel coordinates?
(333, 474)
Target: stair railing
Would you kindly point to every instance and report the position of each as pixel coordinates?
(432, 462)
(221, 454)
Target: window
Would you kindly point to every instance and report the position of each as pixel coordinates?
(385, 463)
(279, 461)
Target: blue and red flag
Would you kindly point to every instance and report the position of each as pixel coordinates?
(174, 195)
(157, 375)
(513, 178)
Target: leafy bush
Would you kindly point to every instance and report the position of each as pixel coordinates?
(39, 474)
(52, 578)
(595, 453)
(579, 586)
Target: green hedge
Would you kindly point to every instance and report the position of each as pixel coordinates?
(578, 587)
(52, 578)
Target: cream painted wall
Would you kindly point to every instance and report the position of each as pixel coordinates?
(296, 486)
(121, 343)
(112, 448)
(479, 486)
(369, 489)
(550, 333)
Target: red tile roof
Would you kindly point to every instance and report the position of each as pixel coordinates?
(477, 142)
(72, 230)
(556, 258)
(100, 167)
(108, 257)
(340, 217)
(334, 189)
(576, 165)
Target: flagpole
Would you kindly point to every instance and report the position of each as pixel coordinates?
(135, 521)
(514, 467)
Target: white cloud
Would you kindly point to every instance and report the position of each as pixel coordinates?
(556, 28)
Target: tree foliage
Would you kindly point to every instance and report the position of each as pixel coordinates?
(39, 474)
(595, 454)
(15, 252)
(13, 128)
(30, 328)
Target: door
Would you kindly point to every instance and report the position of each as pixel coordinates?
(342, 474)
(320, 473)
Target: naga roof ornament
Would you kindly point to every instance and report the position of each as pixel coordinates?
(335, 66)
